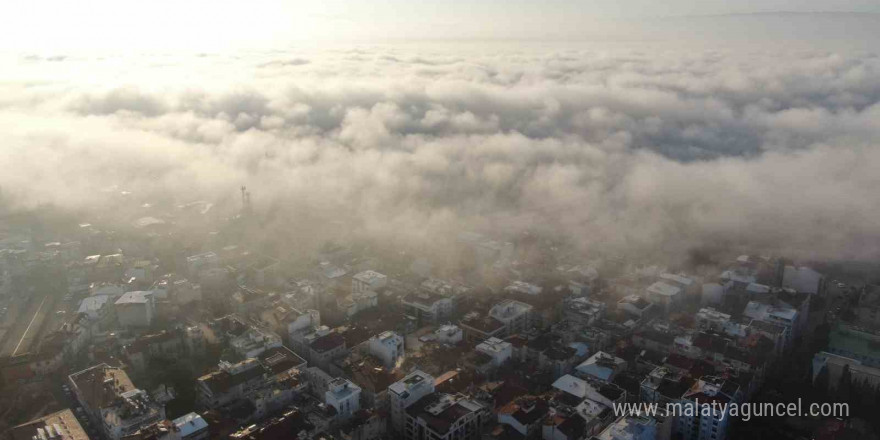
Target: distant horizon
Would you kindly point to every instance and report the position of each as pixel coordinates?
(686, 184)
(125, 26)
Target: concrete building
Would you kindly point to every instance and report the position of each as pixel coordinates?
(113, 402)
(705, 409)
(688, 285)
(634, 305)
(664, 294)
(479, 328)
(61, 425)
(710, 319)
(448, 334)
(524, 415)
(601, 366)
(135, 309)
(640, 427)
(190, 427)
(834, 365)
(367, 372)
(779, 334)
(330, 274)
(388, 347)
(327, 346)
(162, 345)
(780, 314)
(443, 288)
(281, 362)
(344, 396)
(664, 385)
(582, 311)
(254, 341)
(299, 322)
(572, 385)
(318, 380)
(500, 351)
(355, 303)
(516, 316)
(428, 307)
(99, 310)
(444, 417)
(367, 280)
(230, 382)
(856, 343)
(404, 393)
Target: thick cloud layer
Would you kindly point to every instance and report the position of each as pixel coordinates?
(653, 150)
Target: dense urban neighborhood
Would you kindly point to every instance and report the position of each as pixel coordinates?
(151, 331)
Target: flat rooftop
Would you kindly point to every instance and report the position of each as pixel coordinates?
(61, 425)
(102, 384)
(369, 276)
(411, 380)
(134, 297)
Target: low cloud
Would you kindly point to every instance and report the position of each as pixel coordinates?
(616, 151)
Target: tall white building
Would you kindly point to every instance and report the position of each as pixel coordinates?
(448, 334)
(404, 393)
(344, 396)
(516, 316)
(388, 347)
(500, 351)
(705, 409)
(301, 322)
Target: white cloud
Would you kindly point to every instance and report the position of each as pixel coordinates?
(614, 150)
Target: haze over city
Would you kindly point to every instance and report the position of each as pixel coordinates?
(479, 151)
